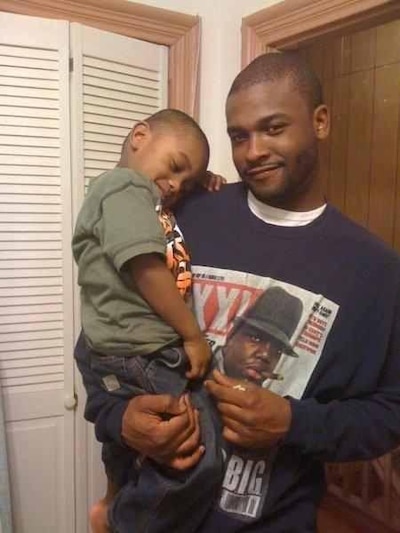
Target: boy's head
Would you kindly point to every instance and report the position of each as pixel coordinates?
(170, 149)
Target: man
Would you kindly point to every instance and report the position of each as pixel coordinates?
(260, 336)
(340, 400)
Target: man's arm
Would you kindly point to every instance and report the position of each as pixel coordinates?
(165, 429)
(354, 427)
(162, 427)
(365, 424)
(350, 429)
(343, 430)
(253, 417)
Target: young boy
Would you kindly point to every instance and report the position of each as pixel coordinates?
(139, 334)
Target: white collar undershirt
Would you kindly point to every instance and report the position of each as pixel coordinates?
(281, 217)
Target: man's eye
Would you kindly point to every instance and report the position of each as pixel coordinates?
(237, 138)
(255, 339)
(275, 129)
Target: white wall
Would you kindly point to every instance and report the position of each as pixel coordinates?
(220, 63)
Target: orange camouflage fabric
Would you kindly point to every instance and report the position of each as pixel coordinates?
(177, 254)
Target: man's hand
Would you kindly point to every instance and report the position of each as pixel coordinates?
(253, 417)
(164, 428)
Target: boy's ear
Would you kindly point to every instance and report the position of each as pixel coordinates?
(139, 134)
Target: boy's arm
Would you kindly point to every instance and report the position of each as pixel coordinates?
(157, 286)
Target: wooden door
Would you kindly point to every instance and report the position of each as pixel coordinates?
(360, 73)
(360, 167)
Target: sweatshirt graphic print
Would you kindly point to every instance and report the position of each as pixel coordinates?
(269, 333)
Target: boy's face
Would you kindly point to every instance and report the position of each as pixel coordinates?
(174, 161)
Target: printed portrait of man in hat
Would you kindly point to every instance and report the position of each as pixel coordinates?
(261, 335)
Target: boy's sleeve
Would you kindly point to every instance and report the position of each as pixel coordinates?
(129, 225)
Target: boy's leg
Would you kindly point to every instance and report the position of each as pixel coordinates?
(118, 461)
(151, 500)
(118, 464)
(98, 513)
(154, 502)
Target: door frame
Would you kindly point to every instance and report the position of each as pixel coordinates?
(178, 31)
(294, 22)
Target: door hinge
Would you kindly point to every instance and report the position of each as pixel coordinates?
(71, 64)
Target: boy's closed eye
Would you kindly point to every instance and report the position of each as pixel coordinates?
(175, 166)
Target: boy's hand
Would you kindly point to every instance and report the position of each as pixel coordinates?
(210, 181)
(213, 182)
(199, 354)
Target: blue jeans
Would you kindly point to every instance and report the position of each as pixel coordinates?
(152, 498)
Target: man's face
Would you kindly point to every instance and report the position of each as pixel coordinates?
(251, 355)
(173, 161)
(274, 142)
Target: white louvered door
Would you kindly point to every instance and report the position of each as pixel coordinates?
(36, 333)
(55, 466)
(115, 82)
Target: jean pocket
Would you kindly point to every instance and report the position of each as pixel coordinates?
(172, 358)
(103, 365)
(166, 371)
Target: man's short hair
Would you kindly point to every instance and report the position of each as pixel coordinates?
(277, 66)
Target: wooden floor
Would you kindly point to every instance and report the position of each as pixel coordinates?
(330, 521)
(334, 517)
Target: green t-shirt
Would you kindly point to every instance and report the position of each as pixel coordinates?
(118, 221)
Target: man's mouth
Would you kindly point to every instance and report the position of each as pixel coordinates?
(262, 171)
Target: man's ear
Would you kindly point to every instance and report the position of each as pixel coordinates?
(321, 121)
(140, 133)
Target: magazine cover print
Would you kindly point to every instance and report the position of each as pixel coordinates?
(266, 332)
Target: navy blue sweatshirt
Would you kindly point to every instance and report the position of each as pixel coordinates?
(344, 387)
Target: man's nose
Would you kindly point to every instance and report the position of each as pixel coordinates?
(257, 148)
